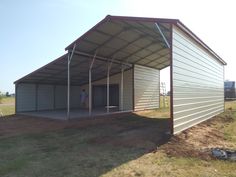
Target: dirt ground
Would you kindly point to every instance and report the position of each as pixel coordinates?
(194, 142)
(21, 124)
(198, 140)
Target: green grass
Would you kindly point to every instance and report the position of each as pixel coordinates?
(85, 151)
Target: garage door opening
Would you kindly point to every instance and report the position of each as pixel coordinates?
(100, 96)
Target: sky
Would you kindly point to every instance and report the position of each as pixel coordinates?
(33, 33)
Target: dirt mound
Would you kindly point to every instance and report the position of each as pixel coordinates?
(197, 141)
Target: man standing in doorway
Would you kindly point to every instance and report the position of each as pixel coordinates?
(83, 98)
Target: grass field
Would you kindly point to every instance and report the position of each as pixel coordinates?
(130, 145)
(7, 106)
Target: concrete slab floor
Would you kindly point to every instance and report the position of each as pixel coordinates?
(74, 113)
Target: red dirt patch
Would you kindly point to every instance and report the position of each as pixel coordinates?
(197, 141)
(21, 124)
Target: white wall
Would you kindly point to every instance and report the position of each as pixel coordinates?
(26, 97)
(198, 90)
(146, 87)
(38, 97)
(45, 97)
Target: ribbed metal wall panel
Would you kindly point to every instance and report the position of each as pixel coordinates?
(146, 88)
(45, 97)
(198, 90)
(60, 97)
(128, 90)
(116, 79)
(26, 97)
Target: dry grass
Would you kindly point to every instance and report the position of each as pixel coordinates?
(130, 145)
(7, 106)
(8, 100)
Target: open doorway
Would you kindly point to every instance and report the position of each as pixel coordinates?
(165, 89)
(100, 96)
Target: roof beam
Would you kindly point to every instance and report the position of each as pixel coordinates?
(163, 36)
(151, 30)
(101, 58)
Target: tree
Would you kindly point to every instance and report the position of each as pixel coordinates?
(0, 97)
(7, 94)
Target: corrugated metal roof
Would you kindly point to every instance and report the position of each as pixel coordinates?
(56, 71)
(133, 40)
(142, 24)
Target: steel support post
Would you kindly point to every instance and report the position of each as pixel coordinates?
(68, 81)
(68, 88)
(122, 89)
(108, 85)
(90, 93)
(108, 90)
(90, 84)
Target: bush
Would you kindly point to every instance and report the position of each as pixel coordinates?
(1, 97)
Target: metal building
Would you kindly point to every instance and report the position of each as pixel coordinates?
(118, 63)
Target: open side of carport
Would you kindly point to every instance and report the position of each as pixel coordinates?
(120, 58)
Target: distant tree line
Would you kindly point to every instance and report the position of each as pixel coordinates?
(2, 95)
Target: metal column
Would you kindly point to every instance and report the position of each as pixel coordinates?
(122, 89)
(108, 85)
(68, 81)
(90, 85)
(108, 90)
(36, 97)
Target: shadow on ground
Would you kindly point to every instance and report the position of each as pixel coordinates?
(40, 147)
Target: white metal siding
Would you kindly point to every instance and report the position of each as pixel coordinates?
(146, 87)
(198, 91)
(128, 90)
(60, 97)
(45, 97)
(26, 97)
(116, 79)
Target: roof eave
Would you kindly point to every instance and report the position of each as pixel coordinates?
(24, 77)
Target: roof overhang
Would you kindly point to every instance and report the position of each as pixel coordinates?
(138, 22)
(124, 41)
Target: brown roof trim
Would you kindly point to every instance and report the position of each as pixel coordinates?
(199, 41)
(54, 61)
(145, 19)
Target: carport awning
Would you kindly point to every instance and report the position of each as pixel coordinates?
(124, 40)
(56, 71)
(129, 41)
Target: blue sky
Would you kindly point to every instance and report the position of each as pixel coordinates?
(33, 33)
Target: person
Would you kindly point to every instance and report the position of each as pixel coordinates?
(83, 97)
